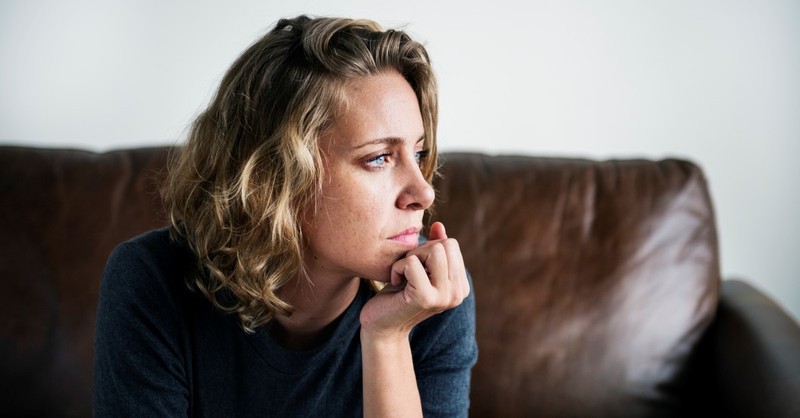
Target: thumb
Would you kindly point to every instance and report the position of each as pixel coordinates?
(437, 232)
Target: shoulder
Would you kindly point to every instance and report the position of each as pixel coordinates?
(155, 249)
(154, 252)
(150, 267)
(143, 326)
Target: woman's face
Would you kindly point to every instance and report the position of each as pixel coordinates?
(373, 196)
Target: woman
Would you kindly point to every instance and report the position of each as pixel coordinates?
(299, 193)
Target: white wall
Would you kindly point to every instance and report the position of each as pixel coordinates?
(715, 81)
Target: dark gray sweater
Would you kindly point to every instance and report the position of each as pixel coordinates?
(163, 350)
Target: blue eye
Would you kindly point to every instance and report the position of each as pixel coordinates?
(419, 156)
(377, 161)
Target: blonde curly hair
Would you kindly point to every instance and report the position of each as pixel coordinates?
(237, 187)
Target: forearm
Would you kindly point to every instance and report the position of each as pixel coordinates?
(390, 385)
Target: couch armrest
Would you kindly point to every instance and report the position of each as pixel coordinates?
(757, 354)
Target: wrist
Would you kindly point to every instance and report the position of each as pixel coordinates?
(384, 339)
(389, 380)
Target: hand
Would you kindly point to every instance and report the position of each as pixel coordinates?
(429, 280)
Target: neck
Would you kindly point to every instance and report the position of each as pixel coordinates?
(317, 306)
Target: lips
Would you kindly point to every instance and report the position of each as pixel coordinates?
(408, 236)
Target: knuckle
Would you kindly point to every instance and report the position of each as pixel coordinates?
(429, 303)
(455, 300)
(452, 243)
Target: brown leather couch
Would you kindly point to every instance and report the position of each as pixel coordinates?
(597, 285)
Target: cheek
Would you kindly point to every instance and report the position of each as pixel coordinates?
(360, 196)
(355, 202)
(348, 209)
(357, 212)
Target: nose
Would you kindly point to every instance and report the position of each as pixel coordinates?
(416, 193)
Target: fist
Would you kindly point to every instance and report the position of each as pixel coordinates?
(429, 279)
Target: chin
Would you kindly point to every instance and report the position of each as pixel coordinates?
(381, 273)
(384, 277)
(382, 270)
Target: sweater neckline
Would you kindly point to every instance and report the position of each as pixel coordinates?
(288, 361)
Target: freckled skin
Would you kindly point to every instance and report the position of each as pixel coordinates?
(365, 224)
(373, 188)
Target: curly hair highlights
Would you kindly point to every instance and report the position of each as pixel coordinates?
(251, 163)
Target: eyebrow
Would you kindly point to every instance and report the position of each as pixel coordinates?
(392, 140)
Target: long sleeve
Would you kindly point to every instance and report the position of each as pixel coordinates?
(445, 350)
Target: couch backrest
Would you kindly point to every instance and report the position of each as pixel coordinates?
(62, 213)
(593, 280)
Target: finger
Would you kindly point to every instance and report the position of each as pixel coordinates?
(437, 232)
(434, 259)
(414, 274)
(398, 275)
(390, 288)
(410, 270)
(457, 270)
(455, 260)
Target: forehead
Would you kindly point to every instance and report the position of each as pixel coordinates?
(375, 107)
